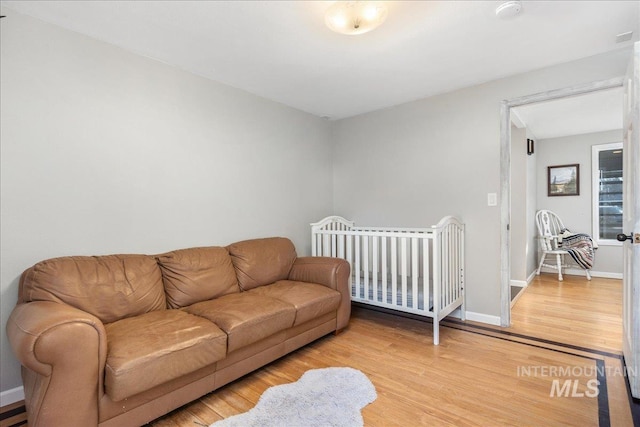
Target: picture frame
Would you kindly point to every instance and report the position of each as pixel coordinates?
(563, 180)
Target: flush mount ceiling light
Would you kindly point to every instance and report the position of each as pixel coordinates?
(355, 17)
(509, 9)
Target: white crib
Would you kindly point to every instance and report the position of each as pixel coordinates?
(413, 270)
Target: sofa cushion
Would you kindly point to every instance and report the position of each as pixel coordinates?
(153, 348)
(310, 299)
(260, 262)
(246, 318)
(110, 287)
(197, 274)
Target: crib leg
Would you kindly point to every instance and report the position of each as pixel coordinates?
(436, 331)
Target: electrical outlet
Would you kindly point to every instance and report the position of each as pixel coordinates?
(492, 199)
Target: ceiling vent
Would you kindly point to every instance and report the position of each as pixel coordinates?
(624, 37)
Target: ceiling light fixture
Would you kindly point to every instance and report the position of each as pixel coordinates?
(509, 9)
(355, 17)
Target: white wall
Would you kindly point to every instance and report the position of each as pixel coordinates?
(576, 211)
(414, 163)
(523, 207)
(531, 201)
(518, 224)
(104, 151)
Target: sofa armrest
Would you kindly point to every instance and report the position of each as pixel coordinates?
(63, 351)
(331, 272)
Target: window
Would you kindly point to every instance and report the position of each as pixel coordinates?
(606, 162)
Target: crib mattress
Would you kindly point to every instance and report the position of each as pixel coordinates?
(367, 291)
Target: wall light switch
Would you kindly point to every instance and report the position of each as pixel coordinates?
(492, 199)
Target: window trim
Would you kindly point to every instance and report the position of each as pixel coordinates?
(595, 193)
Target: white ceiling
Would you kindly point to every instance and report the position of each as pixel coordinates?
(595, 112)
(282, 51)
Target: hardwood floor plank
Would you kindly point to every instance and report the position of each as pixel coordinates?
(13, 414)
(225, 402)
(618, 397)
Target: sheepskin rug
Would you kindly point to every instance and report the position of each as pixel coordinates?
(321, 397)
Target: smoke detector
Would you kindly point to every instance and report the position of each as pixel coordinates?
(509, 9)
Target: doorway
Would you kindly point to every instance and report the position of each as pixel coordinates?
(567, 131)
(505, 174)
(631, 216)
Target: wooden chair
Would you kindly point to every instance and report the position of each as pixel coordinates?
(550, 227)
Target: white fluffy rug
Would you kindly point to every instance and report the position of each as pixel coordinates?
(321, 397)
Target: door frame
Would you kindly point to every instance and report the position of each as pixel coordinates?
(505, 175)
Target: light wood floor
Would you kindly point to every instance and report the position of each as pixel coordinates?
(575, 311)
(479, 375)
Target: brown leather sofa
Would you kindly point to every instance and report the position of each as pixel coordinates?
(120, 340)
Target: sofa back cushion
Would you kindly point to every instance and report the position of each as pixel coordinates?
(110, 287)
(197, 274)
(261, 262)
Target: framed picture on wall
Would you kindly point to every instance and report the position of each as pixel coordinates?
(563, 180)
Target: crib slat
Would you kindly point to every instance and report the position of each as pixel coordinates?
(449, 271)
(443, 269)
(319, 245)
(454, 267)
(460, 258)
(458, 265)
(365, 267)
(384, 261)
(403, 269)
(374, 267)
(334, 244)
(449, 266)
(425, 274)
(314, 251)
(357, 265)
(414, 272)
(349, 258)
(394, 270)
(436, 274)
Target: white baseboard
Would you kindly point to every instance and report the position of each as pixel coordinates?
(579, 272)
(483, 318)
(523, 283)
(516, 298)
(11, 396)
(603, 274)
